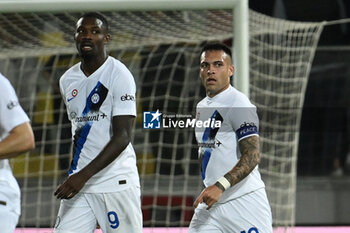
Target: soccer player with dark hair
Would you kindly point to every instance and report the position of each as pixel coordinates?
(234, 197)
(103, 184)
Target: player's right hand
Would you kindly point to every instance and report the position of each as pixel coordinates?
(209, 196)
(71, 186)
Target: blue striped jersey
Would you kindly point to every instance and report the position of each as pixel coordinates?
(91, 104)
(234, 118)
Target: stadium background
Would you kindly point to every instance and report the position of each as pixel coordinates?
(323, 186)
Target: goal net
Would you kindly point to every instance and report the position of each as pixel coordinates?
(281, 54)
(161, 48)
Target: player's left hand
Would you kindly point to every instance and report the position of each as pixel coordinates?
(71, 186)
(209, 196)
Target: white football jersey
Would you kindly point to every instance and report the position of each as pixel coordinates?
(11, 115)
(91, 104)
(231, 118)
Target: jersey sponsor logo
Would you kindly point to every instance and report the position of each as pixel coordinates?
(87, 118)
(12, 104)
(214, 144)
(127, 97)
(95, 117)
(246, 129)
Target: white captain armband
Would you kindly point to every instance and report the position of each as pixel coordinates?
(224, 182)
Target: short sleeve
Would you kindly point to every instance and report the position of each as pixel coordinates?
(11, 113)
(61, 87)
(245, 121)
(124, 94)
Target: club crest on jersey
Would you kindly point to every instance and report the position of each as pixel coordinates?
(95, 98)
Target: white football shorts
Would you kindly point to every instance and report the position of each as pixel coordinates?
(115, 212)
(9, 205)
(249, 213)
(8, 219)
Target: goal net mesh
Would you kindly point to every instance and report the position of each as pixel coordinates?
(162, 51)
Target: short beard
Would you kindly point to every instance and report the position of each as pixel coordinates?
(87, 56)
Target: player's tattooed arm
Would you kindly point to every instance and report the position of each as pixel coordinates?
(249, 148)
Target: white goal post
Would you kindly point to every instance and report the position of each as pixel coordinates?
(240, 19)
(159, 41)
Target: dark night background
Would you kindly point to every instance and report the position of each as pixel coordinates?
(325, 127)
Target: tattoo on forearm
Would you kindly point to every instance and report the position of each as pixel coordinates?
(229, 177)
(249, 148)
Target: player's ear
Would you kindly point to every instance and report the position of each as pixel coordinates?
(107, 38)
(231, 70)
